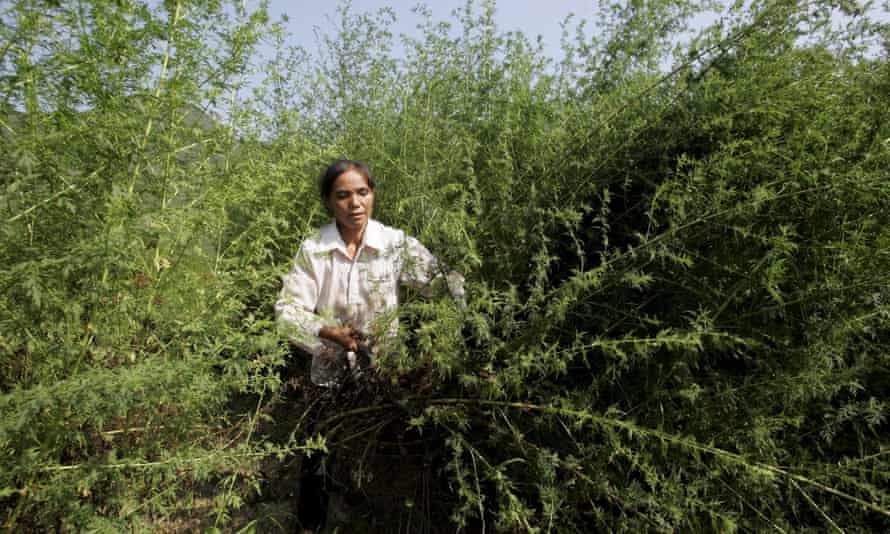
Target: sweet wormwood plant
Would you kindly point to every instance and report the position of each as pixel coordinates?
(675, 252)
(134, 255)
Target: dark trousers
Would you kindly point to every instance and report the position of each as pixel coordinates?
(312, 507)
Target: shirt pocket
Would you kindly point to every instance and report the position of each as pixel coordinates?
(380, 283)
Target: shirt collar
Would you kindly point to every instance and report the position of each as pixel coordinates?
(374, 238)
(331, 240)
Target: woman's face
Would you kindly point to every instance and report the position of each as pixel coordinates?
(351, 201)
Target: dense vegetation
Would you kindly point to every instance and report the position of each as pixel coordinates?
(676, 247)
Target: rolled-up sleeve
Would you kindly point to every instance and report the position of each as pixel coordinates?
(295, 309)
(421, 270)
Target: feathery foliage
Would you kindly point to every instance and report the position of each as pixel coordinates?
(675, 245)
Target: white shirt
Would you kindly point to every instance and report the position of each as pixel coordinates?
(326, 288)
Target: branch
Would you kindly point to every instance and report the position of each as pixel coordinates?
(685, 442)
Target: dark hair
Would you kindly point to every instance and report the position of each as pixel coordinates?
(335, 169)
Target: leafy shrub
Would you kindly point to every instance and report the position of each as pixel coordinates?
(675, 256)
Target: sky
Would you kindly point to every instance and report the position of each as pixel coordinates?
(533, 17)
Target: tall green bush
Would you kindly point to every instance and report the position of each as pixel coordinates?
(674, 246)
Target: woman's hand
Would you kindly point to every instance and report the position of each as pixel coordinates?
(345, 336)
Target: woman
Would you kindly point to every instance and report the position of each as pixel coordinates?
(339, 300)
